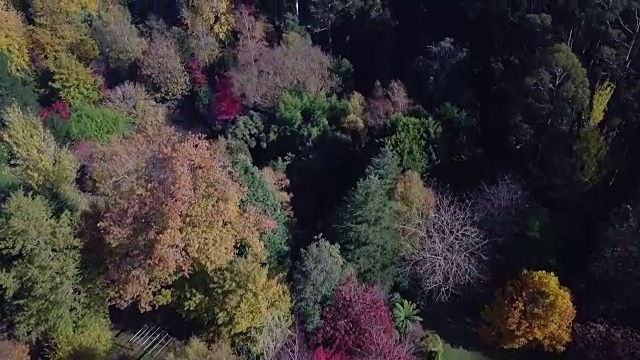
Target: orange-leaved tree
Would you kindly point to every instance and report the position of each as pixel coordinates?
(533, 309)
(172, 206)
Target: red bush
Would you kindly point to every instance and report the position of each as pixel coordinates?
(196, 73)
(227, 105)
(59, 107)
(359, 325)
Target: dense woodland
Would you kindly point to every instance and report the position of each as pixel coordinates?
(321, 179)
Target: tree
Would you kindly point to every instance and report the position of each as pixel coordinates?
(97, 123)
(533, 309)
(162, 68)
(355, 121)
(264, 73)
(16, 90)
(239, 300)
(197, 349)
(40, 260)
(120, 41)
(359, 325)
(172, 207)
(227, 106)
(76, 83)
(415, 142)
(263, 196)
(131, 99)
(320, 270)
(217, 16)
(414, 199)
(405, 314)
(451, 248)
(15, 350)
(38, 162)
(14, 39)
(600, 101)
(366, 222)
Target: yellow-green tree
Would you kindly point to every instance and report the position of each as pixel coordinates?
(14, 38)
(215, 14)
(355, 121)
(39, 163)
(531, 310)
(75, 83)
(414, 200)
(590, 147)
(600, 100)
(238, 300)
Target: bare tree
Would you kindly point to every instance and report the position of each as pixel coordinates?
(451, 251)
(499, 208)
(278, 341)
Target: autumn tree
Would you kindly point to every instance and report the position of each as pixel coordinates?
(238, 300)
(414, 199)
(197, 349)
(131, 99)
(384, 104)
(215, 16)
(37, 161)
(14, 39)
(119, 40)
(162, 68)
(531, 310)
(76, 83)
(355, 121)
(264, 73)
(319, 272)
(227, 106)
(359, 324)
(451, 247)
(366, 222)
(172, 207)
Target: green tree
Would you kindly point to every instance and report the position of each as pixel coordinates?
(18, 90)
(366, 223)
(40, 259)
(37, 161)
(75, 82)
(97, 123)
(415, 142)
(320, 270)
(262, 196)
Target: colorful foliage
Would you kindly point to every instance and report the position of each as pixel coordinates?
(531, 310)
(162, 69)
(14, 38)
(227, 106)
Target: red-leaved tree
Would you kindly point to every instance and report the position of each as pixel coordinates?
(359, 325)
(196, 73)
(324, 354)
(227, 105)
(59, 108)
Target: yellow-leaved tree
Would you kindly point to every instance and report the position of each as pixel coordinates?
(533, 309)
(216, 14)
(14, 38)
(600, 101)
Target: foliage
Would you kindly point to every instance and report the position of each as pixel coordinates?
(76, 84)
(197, 349)
(600, 101)
(263, 196)
(590, 147)
(366, 223)
(18, 90)
(162, 68)
(432, 346)
(174, 197)
(531, 310)
(359, 324)
(14, 38)
(263, 74)
(320, 270)
(36, 159)
(217, 16)
(303, 117)
(196, 73)
(40, 259)
(415, 142)
(227, 106)
(355, 121)
(91, 338)
(131, 99)
(97, 123)
(249, 129)
(386, 104)
(405, 314)
(451, 251)
(238, 299)
(119, 40)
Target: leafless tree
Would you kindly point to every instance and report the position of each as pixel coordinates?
(278, 341)
(499, 208)
(452, 247)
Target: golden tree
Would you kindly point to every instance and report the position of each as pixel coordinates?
(600, 100)
(14, 38)
(531, 310)
(172, 206)
(217, 15)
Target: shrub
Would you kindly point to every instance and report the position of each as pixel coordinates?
(531, 310)
(432, 346)
(97, 123)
